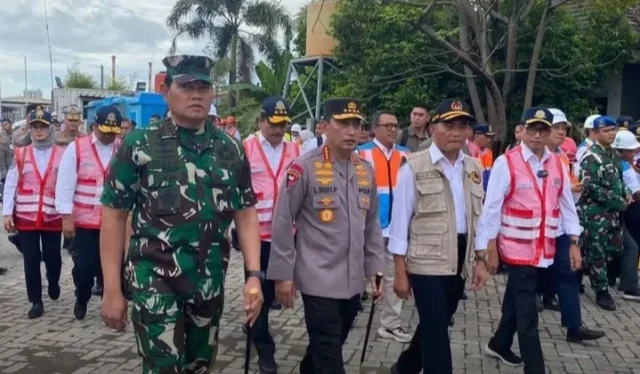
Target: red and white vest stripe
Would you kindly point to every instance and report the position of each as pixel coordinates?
(87, 210)
(530, 215)
(267, 181)
(36, 193)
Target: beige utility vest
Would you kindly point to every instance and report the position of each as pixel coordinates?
(433, 238)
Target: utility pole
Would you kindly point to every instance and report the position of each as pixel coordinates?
(25, 75)
(102, 77)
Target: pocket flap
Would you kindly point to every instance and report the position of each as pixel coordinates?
(430, 188)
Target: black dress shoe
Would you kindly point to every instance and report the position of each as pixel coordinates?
(581, 290)
(539, 303)
(14, 239)
(551, 304)
(452, 321)
(582, 334)
(36, 311)
(267, 366)
(605, 301)
(464, 296)
(364, 296)
(80, 310)
(54, 291)
(3, 271)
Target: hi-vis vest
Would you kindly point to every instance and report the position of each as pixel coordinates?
(87, 210)
(530, 216)
(36, 193)
(386, 175)
(266, 181)
(486, 162)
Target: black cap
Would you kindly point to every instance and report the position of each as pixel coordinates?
(40, 115)
(343, 108)
(537, 115)
(483, 128)
(109, 120)
(450, 109)
(276, 110)
(624, 121)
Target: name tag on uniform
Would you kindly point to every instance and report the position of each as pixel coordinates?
(427, 175)
(524, 186)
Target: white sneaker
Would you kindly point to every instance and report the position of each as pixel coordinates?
(398, 334)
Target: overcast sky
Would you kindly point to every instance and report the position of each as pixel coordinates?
(87, 32)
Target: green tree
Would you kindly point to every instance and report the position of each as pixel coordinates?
(77, 79)
(234, 27)
(300, 40)
(123, 83)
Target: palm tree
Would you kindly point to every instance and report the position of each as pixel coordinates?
(230, 25)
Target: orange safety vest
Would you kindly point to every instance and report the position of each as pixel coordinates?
(36, 194)
(565, 161)
(530, 215)
(267, 181)
(386, 175)
(87, 209)
(486, 161)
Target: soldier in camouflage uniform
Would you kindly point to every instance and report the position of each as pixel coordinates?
(71, 128)
(184, 181)
(600, 206)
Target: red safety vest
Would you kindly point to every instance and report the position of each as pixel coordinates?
(87, 209)
(36, 194)
(267, 181)
(530, 216)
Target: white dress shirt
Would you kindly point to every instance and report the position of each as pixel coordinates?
(68, 174)
(498, 187)
(273, 154)
(387, 153)
(42, 157)
(311, 144)
(404, 200)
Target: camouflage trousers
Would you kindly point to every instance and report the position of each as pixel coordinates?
(601, 246)
(174, 335)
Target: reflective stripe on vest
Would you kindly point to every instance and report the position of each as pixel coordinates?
(386, 175)
(265, 181)
(87, 210)
(36, 194)
(530, 216)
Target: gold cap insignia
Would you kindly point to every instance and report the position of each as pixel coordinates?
(73, 111)
(456, 105)
(111, 119)
(39, 112)
(625, 124)
(280, 108)
(352, 107)
(540, 114)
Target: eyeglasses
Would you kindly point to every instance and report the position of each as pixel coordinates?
(390, 126)
(542, 129)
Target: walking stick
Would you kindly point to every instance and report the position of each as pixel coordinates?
(247, 352)
(373, 309)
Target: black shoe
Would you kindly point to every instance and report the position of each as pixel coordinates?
(539, 303)
(551, 304)
(267, 366)
(96, 290)
(54, 291)
(36, 311)
(581, 290)
(582, 334)
(394, 369)
(604, 301)
(632, 295)
(507, 357)
(275, 305)
(80, 310)
(464, 296)
(612, 281)
(364, 296)
(3, 271)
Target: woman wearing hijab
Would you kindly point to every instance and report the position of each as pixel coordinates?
(29, 208)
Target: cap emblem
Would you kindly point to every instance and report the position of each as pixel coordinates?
(39, 112)
(111, 119)
(280, 108)
(540, 114)
(352, 107)
(456, 105)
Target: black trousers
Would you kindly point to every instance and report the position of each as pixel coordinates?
(520, 315)
(328, 323)
(86, 262)
(437, 299)
(260, 334)
(37, 246)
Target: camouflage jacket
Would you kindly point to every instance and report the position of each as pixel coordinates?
(604, 192)
(182, 188)
(6, 154)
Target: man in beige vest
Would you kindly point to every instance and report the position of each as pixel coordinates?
(438, 202)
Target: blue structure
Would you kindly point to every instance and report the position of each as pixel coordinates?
(139, 108)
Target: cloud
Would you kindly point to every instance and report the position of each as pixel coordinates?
(86, 32)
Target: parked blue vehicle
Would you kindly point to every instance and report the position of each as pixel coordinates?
(139, 108)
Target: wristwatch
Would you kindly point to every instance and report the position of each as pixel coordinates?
(255, 273)
(481, 258)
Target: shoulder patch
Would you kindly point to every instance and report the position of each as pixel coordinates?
(293, 175)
